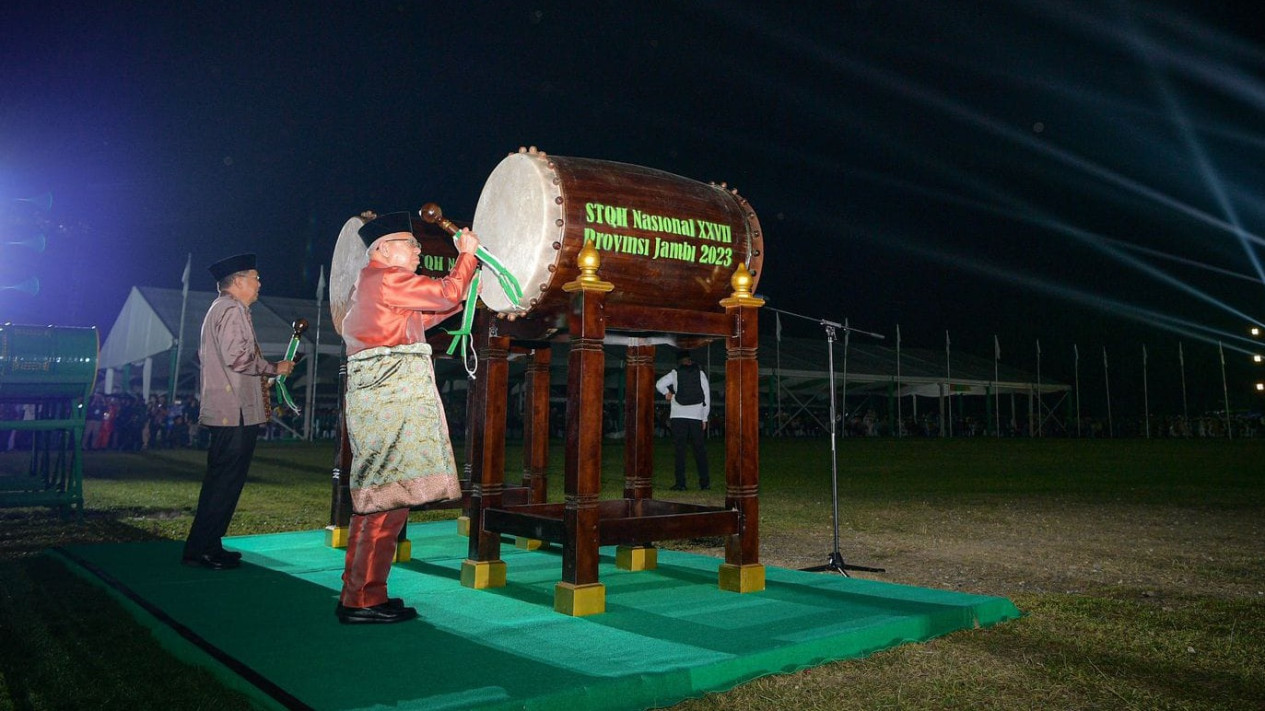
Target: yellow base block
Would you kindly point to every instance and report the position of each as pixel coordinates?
(579, 600)
(529, 544)
(742, 578)
(336, 536)
(463, 526)
(480, 575)
(404, 551)
(636, 558)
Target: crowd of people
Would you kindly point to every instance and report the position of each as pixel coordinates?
(1241, 425)
(128, 422)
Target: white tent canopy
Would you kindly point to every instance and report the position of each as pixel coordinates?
(144, 334)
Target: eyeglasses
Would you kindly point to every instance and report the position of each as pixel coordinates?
(411, 242)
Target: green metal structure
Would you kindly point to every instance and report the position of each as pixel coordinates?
(47, 374)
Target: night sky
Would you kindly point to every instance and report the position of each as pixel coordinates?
(1078, 173)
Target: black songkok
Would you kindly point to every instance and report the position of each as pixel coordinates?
(232, 265)
(384, 225)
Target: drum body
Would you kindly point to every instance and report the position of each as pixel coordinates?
(47, 361)
(664, 240)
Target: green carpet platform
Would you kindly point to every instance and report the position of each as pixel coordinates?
(268, 628)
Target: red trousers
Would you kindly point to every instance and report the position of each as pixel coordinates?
(371, 540)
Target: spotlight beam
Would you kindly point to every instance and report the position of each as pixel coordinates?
(36, 243)
(1139, 314)
(29, 286)
(1020, 211)
(1209, 173)
(920, 94)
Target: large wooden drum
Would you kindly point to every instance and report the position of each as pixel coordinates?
(664, 240)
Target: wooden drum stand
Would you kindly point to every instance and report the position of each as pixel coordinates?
(584, 522)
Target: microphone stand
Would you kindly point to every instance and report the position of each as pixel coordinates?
(834, 562)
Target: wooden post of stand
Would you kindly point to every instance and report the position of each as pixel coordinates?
(638, 448)
(536, 434)
(483, 568)
(742, 571)
(340, 496)
(473, 434)
(639, 423)
(580, 593)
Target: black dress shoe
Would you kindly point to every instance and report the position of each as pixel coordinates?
(229, 554)
(378, 614)
(677, 487)
(211, 561)
(705, 487)
(392, 602)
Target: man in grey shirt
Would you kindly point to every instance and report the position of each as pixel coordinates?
(234, 375)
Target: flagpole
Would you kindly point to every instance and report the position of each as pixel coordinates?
(997, 394)
(900, 418)
(1111, 427)
(184, 302)
(843, 396)
(316, 354)
(1076, 353)
(1181, 361)
(1040, 414)
(778, 429)
(1146, 395)
(1229, 432)
(947, 411)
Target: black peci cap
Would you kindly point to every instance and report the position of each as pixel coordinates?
(383, 225)
(231, 265)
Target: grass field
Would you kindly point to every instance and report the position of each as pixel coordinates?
(1140, 566)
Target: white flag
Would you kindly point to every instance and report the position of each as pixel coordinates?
(1038, 347)
(996, 347)
(1076, 352)
(898, 335)
(778, 317)
(184, 278)
(320, 287)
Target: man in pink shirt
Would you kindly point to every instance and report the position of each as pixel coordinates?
(234, 374)
(401, 452)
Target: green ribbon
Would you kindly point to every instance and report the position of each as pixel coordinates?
(462, 337)
(283, 395)
(508, 283)
(462, 334)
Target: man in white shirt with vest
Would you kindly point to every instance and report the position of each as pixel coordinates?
(687, 389)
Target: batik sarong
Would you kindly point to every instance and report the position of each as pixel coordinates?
(401, 453)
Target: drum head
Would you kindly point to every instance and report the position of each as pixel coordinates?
(350, 256)
(518, 218)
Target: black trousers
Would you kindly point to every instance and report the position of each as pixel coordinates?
(227, 462)
(688, 432)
